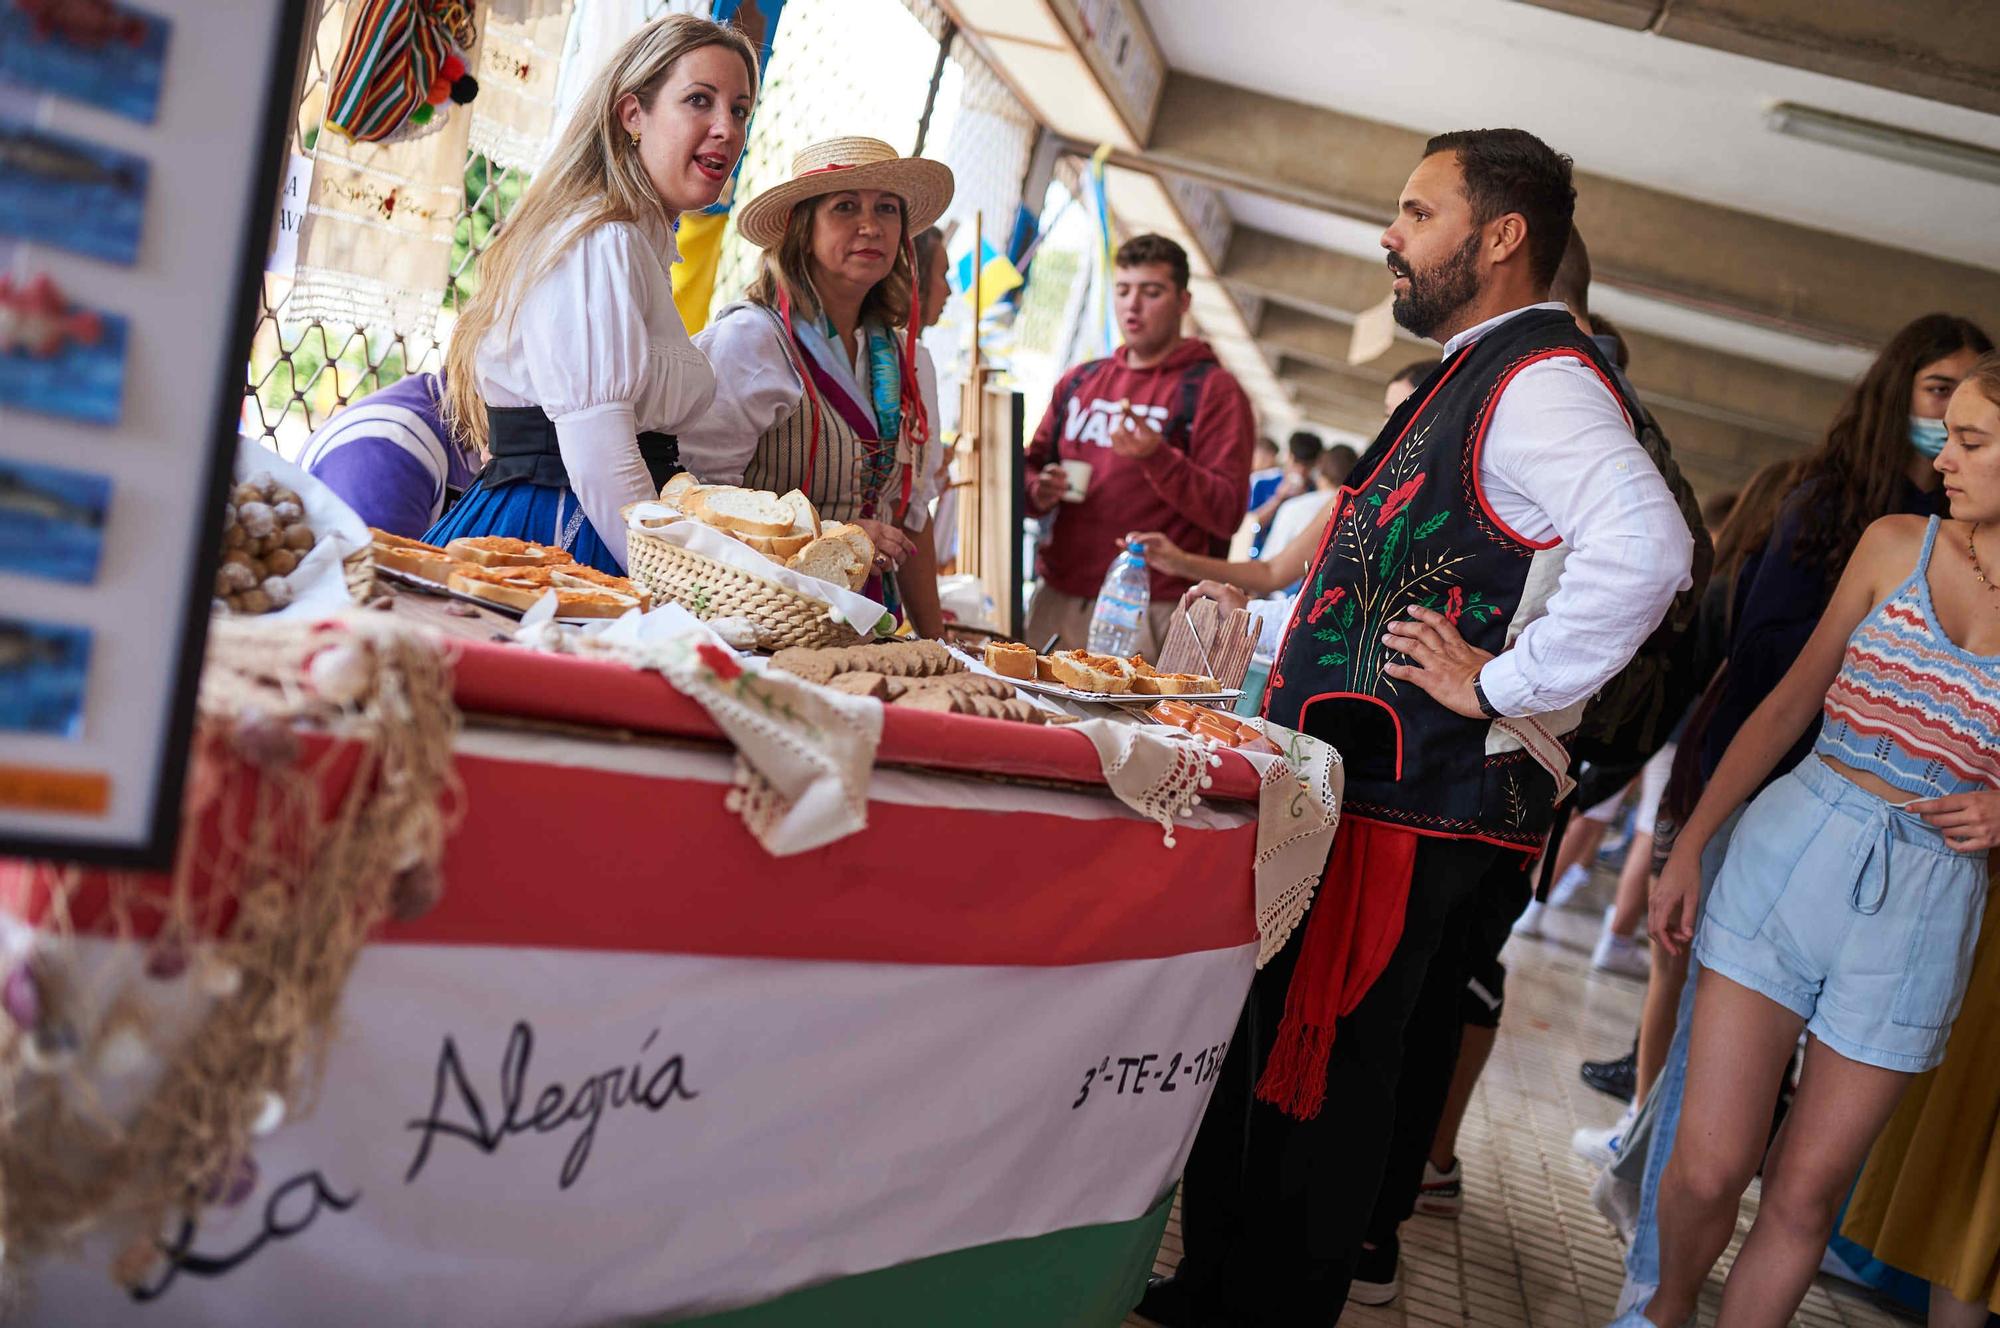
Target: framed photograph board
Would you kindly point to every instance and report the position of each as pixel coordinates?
(160, 127)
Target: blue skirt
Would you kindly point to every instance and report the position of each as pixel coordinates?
(526, 512)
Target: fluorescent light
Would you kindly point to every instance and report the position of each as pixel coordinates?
(1907, 146)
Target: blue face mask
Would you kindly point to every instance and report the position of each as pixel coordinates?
(1927, 436)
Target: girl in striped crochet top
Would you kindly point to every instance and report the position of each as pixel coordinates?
(1853, 891)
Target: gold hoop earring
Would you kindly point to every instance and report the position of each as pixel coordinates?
(634, 138)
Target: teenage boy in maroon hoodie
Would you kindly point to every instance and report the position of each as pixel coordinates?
(1168, 435)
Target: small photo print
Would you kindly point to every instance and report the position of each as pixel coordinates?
(69, 194)
(43, 669)
(93, 51)
(52, 521)
(57, 358)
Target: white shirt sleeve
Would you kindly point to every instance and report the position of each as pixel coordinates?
(587, 378)
(1560, 461)
(755, 388)
(1271, 615)
(923, 484)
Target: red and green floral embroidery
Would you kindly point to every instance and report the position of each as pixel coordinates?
(1455, 604)
(1386, 566)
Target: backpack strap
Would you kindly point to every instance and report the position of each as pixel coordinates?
(1181, 422)
(1066, 387)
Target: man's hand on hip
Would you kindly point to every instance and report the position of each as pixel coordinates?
(1440, 660)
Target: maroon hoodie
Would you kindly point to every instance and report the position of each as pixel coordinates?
(1193, 490)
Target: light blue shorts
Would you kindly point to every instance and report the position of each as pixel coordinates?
(1849, 912)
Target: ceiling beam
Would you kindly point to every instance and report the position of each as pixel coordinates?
(1945, 50)
(1308, 337)
(1810, 282)
(1063, 73)
(1338, 398)
(1769, 399)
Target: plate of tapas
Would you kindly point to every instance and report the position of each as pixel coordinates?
(509, 576)
(1080, 675)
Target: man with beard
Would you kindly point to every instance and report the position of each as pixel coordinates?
(1507, 547)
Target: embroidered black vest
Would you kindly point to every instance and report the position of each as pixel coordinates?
(1417, 530)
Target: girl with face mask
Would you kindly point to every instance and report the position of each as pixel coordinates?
(1868, 467)
(1853, 892)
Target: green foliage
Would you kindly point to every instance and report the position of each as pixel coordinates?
(490, 194)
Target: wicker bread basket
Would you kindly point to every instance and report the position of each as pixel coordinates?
(709, 589)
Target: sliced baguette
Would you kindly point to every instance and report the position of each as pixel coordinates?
(742, 511)
(805, 517)
(501, 551)
(857, 541)
(677, 491)
(398, 553)
(517, 595)
(779, 547)
(855, 538)
(1174, 684)
(576, 596)
(1074, 672)
(1010, 660)
(827, 559)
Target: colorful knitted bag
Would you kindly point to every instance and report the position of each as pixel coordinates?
(401, 60)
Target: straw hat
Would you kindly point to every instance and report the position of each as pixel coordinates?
(839, 164)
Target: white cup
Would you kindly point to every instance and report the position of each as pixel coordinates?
(1079, 480)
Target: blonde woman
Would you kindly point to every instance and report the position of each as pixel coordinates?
(821, 384)
(571, 367)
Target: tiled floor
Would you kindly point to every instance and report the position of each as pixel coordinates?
(1529, 1251)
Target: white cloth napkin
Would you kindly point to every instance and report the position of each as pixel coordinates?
(1298, 809)
(1155, 770)
(319, 582)
(1159, 772)
(861, 613)
(804, 754)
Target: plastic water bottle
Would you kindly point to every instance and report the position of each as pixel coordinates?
(1122, 604)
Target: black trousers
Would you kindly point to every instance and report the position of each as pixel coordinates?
(1468, 952)
(1275, 1210)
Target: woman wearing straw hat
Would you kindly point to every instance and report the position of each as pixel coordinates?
(571, 367)
(820, 382)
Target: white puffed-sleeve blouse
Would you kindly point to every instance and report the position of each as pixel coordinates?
(598, 344)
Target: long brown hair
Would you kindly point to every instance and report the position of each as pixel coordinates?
(790, 267)
(1858, 473)
(1748, 526)
(595, 173)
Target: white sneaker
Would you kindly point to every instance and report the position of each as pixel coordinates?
(1621, 955)
(1530, 923)
(1569, 885)
(1600, 1147)
(1618, 1201)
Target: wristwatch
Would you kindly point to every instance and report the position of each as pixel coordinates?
(1479, 698)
